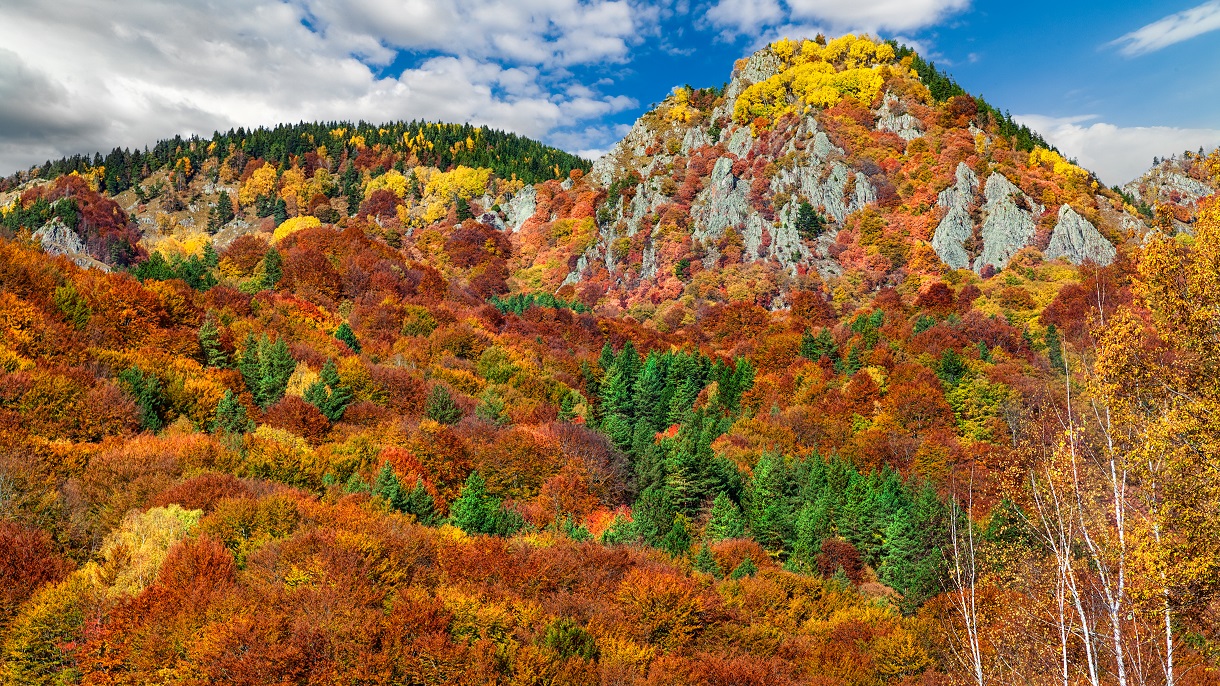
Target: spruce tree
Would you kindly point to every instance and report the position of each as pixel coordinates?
(344, 333)
(767, 514)
(328, 393)
(275, 365)
(231, 416)
(706, 562)
(1054, 349)
(389, 489)
(209, 344)
(273, 269)
(210, 258)
(647, 395)
(743, 570)
(355, 484)
(440, 407)
(419, 503)
(474, 511)
(146, 389)
(725, 521)
(677, 540)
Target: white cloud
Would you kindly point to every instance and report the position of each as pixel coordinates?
(79, 76)
(1173, 29)
(1117, 154)
(737, 17)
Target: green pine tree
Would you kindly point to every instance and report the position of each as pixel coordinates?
(677, 540)
(647, 396)
(1054, 349)
(474, 511)
(275, 366)
(328, 393)
(441, 408)
(420, 503)
(146, 389)
(743, 570)
(768, 516)
(209, 345)
(273, 269)
(389, 489)
(210, 258)
(231, 416)
(725, 521)
(809, 223)
(355, 484)
(706, 562)
(344, 333)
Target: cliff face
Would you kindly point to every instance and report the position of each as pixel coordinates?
(806, 170)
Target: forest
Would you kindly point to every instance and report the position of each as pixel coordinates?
(320, 408)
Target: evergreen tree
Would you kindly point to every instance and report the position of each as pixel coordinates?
(441, 408)
(221, 214)
(389, 489)
(210, 258)
(273, 269)
(706, 562)
(677, 540)
(231, 416)
(328, 393)
(1054, 349)
(567, 406)
(475, 510)
(743, 570)
(767, 513)
(75, 309)
(209, 344)
(951, 368)
(605, 360)
(809, 223)
(491, 408)
(275, 366)
(355, 484)
(419, 503)
(725, 521)
(648, 394)
(463, 209)
(344, 333)
(653, 514)
(146, 389)
(280, 212)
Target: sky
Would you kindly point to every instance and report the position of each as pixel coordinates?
(1112, 84)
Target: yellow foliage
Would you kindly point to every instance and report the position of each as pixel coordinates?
(302, 378)
(293, 225)
(132, 555)
(681, 111)
(392, 180)
(463, 182)
(358, 142)
(1041, 157)
(261, 182)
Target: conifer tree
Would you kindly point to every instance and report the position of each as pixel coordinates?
(273, 269)
(648, 393)
(725, 521)
(389, 489)
(275, 365)
(231, 416)
(441, 408)
(210, 258)
(419, 503)
(1054, 349)
(355, 484)
(745, 569)
(475, 510)
(209, 344)
(344, 333)
(328, 393)
(706, 562)
(146, 389)
(767, 514)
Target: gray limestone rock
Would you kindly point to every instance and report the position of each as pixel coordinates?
(950, 236)
(57, 239)
(1007, 227)
(892, 117)
(724, 202)
(520, 208)
(740, 142)
(760, 66)
(1077, 240)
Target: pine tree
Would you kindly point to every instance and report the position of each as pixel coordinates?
(463, 209)
(567, 406)
(951, 367)
(210, 258)
(648, 394)
(275, 365)
(767, 514)
(677, 540)
(441, 408)
(328, 393)
(809, 223)
(706, 562)
(1054, 349)
(389, 489)
(209, 344)
(653, 514)
(419, 503)
(231, 416)
(474, 511)
(344, 333)
(221, 214)
(725, 521)
(743, 570)
(355, 484)
(273, 269)
(280, 212)
(146, 389)
(491, 408)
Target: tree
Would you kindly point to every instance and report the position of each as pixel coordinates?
(747, 568)
(231, 416)
(1054, 349)
(146, 389)
(209, 344)
(706, 562)
(328, 393)
(725, 521)
(266, 367)
(420, 503)
(441, 408)
(387, 487)
(273, 269)
(809, 223)
(476, 511)
(344, 333)
(221, 214)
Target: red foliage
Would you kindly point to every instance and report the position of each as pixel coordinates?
(201, 492)
(294, 415)
(27, 560)
(838, 554)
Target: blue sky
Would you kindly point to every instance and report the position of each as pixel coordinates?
(1112, 84)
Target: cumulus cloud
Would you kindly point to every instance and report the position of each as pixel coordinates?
(79, 76)
(737, 17)
(1170, 30)
(1117, 154)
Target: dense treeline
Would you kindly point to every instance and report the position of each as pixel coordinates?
(439, 145)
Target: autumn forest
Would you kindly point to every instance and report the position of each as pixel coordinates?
(833, 374)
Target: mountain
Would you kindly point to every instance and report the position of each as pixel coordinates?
(833, 375)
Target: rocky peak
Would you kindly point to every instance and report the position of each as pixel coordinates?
(1078, 241)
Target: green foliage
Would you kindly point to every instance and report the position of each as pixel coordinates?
(747, 568)
(819, 346)
(37, 214)
(569, 639)
(951, 368)
(621, 530)
(328, 393)
(420, 503)
(356, 484)
(146, 389)
(387, 487)
(705, 562)
(725, 521)
(519, 303)
(1054, 349)
(463, 209)
(491, 408)
(809, 222)
(193, 270)
(273, 269)
(923, 323)
(222, 213)
(476, 511)
(441, 407)
(209, 345)
(266, 367)
(72, 305)
(345, 334)
(231, 416)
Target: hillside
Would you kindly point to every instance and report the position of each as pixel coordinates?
(836, 375)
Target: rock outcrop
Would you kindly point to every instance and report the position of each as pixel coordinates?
(520, 208)
(957, 227)
(1008, 225)
(892, 118)
(1078, 241)
(57, 239)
